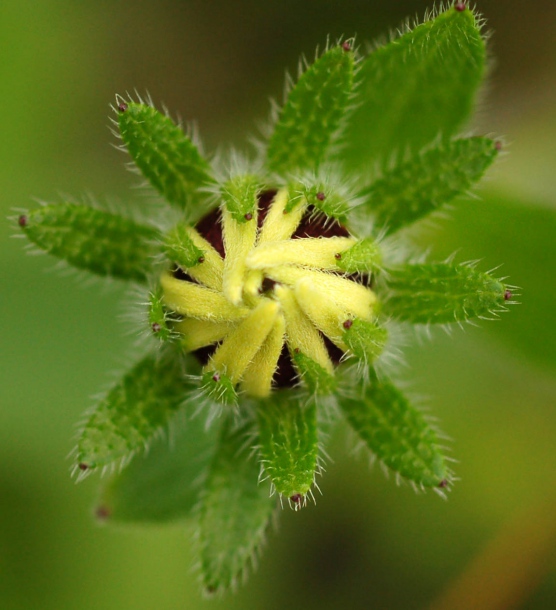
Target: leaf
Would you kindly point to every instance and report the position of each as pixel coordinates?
(133, 411)
(94, 240)
(520, 232)
(159, 318)
(324, 198)
(180, 248)
(165, 155)
(442, 293)
(289, 443)
(396, 432)
(362, 257)
(317, 379)
(418, 86)
(312, 113)
(164, 484)
(235, 511)
(239, 196)
(426, 181)
(219, 388)
(365, 339)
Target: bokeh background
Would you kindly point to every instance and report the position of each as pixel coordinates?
(367, 544)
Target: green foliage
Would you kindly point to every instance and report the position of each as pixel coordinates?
(219, 387)
(164, 484)
(180, 248)
(443, 293)
(427, 180)
(366, 340)
(240, 197)
(420, 85)
(94, 240)
(312, 113)
(317, 379)
(364, 256)
(164, 154)
(273, 278)
(289, 445)
(235, 511)
(397, 433)
(136, 408)
(158, 318)
(326, 200)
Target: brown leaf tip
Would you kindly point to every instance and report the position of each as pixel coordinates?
(22, 220)
(460, 6)
(102, 513)
(122, 107)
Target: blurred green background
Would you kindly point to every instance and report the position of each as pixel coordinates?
(367, 543)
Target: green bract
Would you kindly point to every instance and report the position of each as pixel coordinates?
(271, 297)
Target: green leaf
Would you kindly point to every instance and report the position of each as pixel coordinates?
(397, 433)
(519, 231)
(426, 181)
(239, 195)
(420, 85)
(365, 256)
(442, 293)
(289, 443)
(365, 339)
(325, 199)
(165, 155)
(179, 248)
(315, 377)
(133, 411)
(163, 485)
(94, 240)
(219, 387)
(235, 511)
(158, 318)
(312, 113)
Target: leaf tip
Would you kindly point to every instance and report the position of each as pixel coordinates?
(102, 513)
